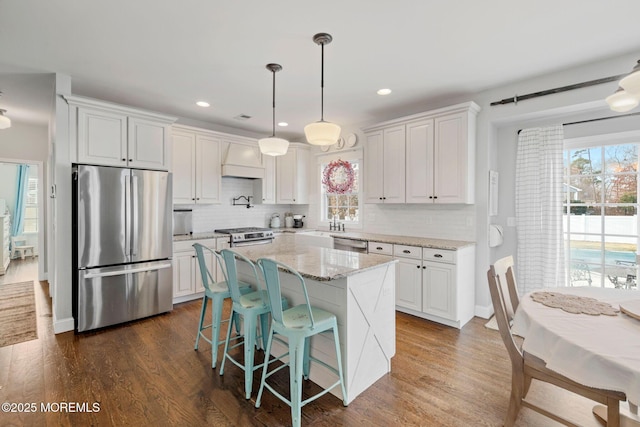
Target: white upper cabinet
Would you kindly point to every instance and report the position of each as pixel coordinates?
(196, 166)
(384, 166)
(264, 189)
(454, 158)
(424, 158)
(420, 164)
(292, 175)
(148, 144)
(114, 135)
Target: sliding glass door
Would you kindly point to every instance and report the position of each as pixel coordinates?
(601, 212)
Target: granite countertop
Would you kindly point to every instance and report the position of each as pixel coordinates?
(424, 242)
(198, 236)
(291, 230)
(313, 262)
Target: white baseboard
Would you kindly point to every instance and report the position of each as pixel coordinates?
(484, 311)
(62, 325)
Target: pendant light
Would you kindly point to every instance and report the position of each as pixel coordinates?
(322, 132)
(627, 97)
(5, 122)
(273, 146)
(631, 83)
(622, 101)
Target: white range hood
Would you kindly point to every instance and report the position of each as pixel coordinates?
(242, 161)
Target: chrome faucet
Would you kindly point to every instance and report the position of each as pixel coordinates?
(335, 226)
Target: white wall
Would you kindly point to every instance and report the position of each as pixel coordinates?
(8, 185)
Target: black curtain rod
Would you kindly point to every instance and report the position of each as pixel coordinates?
(517, 98)
(596, 119)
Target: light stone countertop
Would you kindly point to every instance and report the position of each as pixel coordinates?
(198, 236)
(313, 262)
(423, 242)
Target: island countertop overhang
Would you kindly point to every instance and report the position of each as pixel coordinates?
(321, 264)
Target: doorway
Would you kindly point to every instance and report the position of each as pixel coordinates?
(601, 211)
(33, 214)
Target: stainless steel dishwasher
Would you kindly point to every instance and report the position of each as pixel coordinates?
(349, 245)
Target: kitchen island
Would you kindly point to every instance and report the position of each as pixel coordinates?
(358, 288)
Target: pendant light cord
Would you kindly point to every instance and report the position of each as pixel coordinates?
(273, 126)
(322, 85)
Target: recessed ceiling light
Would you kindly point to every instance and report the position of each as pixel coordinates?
(283, 124)
(203, 104)
(384, 91)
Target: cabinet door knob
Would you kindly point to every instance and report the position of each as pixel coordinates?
(131, 160)
(198, 198)
(435, 197)
(193, 198)
(124, 160)
(431, 197)
(380, 198)
(417, 266)
(424, 267)
(384, 198)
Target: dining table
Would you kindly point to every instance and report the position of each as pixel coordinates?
(596, 350)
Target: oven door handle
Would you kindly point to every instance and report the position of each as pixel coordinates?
(252, 243)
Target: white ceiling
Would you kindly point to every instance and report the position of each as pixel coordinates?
(164, 55)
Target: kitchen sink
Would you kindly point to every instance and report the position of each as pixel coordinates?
(316, 238)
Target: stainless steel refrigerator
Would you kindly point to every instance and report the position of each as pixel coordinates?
(122, 221)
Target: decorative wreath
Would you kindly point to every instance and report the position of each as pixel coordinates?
(338, 177)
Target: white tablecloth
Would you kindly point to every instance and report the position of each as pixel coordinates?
(598, 351)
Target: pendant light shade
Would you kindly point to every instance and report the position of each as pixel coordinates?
(322, 132)
(621, 101)
(273, 146)
(5, 122)
(631, 83)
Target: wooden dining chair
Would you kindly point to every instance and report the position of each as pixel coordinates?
(524, 366)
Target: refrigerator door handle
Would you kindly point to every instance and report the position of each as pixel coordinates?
(127, 217)
(134, 216)
(128, 271)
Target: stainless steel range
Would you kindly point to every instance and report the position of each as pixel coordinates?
(247, 236)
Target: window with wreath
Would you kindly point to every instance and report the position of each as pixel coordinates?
(340, 187)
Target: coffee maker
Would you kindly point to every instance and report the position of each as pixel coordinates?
(297, 221)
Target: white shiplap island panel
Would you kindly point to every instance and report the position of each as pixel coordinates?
(359, 289)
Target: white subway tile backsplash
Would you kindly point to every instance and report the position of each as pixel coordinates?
(455, 222)
(225, 215)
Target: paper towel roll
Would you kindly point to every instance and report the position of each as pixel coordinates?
(496, 235)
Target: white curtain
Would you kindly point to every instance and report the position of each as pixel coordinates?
(539, 197)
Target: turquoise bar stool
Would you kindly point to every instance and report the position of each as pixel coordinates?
(298, 324)
(250, 306)
(217, 292)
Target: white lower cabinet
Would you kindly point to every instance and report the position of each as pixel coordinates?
(409, 283)
(436, 284)
(187, 280)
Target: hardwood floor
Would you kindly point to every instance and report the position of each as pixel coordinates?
(147, 373)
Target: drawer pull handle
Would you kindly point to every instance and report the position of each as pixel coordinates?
(379, 248)
(406, 251)
(437, 256)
